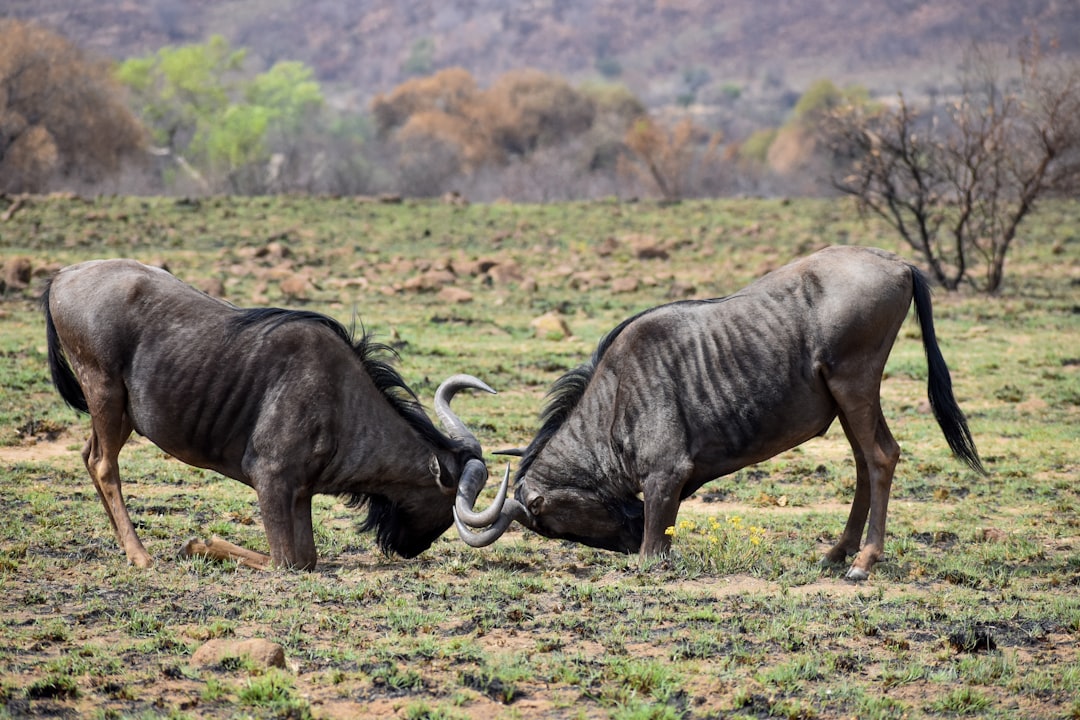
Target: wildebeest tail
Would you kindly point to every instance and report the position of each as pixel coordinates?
(939, 387)
(62, 375)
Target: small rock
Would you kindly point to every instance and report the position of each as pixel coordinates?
(274, 250)
(652, 252)
(262, 652)
(681, 290)
(647, 247)
(17, 272)
(214, 287)
(467, 268)
(550, 326)
(295, 286)
(624, 285)
(607, 246)
(430, 281)
(505, 272)
(451, 294)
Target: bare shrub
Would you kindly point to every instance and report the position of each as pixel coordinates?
(669, 156)
(62, 116)
(527, 109)
(957, 183)
(445, 130)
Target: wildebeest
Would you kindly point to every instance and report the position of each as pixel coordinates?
(690, 391)
(285, 401)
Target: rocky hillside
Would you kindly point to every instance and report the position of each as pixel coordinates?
(666, 51)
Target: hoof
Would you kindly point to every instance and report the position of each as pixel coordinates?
(857, 574)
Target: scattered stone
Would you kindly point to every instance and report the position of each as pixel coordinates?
(624, 285)
(473, 268)
(296, 286)
(273, 250)
(994, 535)
(17, 273)
(647, 247)
(505, 272)
(583, 280)
(680, 290)
(451, 294)
(607, 246)
(430, 281)
(261, 652)
(550, 326)
(212, 286)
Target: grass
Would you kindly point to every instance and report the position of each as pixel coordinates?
(742, 621)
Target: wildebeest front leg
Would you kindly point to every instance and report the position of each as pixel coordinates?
(287, 522)
(662, 498)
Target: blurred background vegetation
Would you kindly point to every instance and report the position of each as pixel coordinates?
(950, 120)
(539, 101)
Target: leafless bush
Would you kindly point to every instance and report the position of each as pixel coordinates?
(61, 114)
(957, 183)
(672, 157)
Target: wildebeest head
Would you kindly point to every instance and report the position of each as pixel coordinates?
(582, 514)
(559, 493)
(408, 523)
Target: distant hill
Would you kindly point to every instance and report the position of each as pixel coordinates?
(666, 51)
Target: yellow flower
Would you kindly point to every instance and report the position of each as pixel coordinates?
(670, 530)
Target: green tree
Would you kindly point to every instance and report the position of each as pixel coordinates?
(214, 121)
(180, 91)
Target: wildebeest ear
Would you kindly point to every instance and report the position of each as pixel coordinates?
(536, 504)
(436, 471)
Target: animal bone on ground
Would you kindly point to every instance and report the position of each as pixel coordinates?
(220, 549)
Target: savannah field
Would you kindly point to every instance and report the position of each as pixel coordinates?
(974, 612)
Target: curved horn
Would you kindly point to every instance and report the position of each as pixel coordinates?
(453, 425)
(472, 482)
(513, 452)
(512, 510)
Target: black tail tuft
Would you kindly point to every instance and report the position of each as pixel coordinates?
(62, 376)
(948, 414)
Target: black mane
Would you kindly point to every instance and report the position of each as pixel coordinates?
(566, 392)
(383, 516)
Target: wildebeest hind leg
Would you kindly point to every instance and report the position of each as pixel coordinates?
(109, 430)
(876, 454)
(851, 539)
